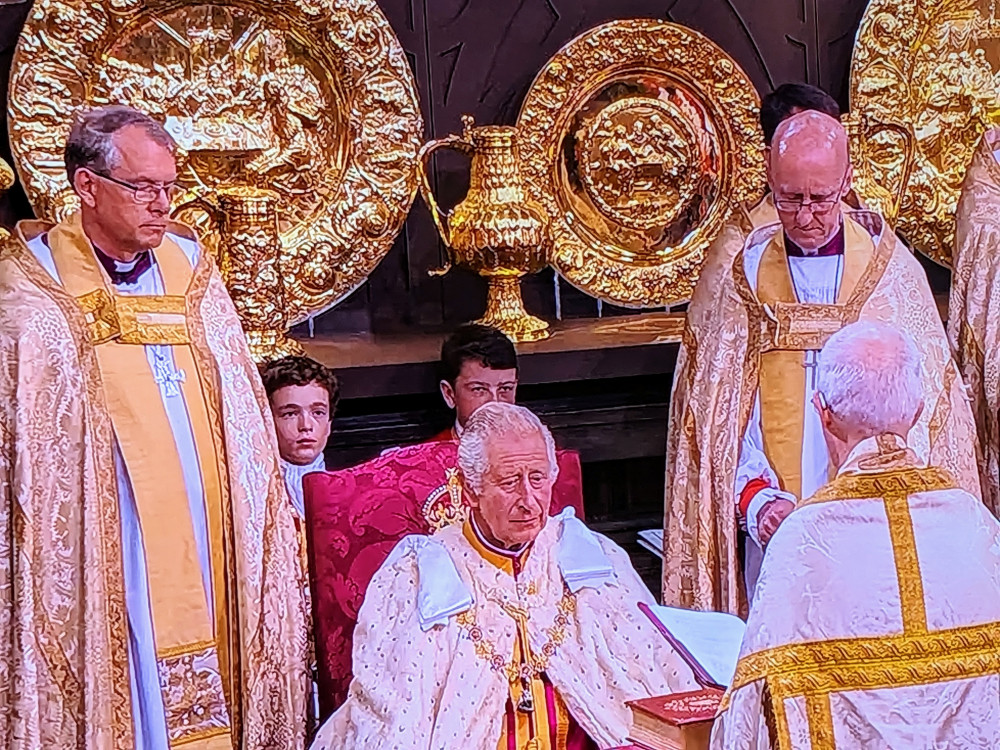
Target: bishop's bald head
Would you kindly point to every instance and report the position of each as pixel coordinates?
(809, 172)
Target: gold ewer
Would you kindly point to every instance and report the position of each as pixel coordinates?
(496, 231)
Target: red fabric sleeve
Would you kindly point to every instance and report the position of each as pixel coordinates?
(750, 489)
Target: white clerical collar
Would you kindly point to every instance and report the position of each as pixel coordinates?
(834, 245)
(293, 480)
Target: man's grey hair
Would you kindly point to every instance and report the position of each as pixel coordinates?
(91, 142)
(869, 374)
(496, 421)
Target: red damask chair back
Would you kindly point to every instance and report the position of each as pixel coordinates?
(354, 517)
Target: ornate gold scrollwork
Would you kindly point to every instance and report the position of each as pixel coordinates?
(935, 65)
(309, 100)
(639, 138)
(880, 150)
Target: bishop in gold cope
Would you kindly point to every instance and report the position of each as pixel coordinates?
(876, 622)
(973, 313)
(787, 100)
(744, 447)
(151, 591)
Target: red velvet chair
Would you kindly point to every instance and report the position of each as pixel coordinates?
(354, 517)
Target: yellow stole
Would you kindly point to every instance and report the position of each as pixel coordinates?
(799, 328)
(191, 626)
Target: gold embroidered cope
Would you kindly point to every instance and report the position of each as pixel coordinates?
(816, 669)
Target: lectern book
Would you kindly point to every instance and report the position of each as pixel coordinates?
(708, 641)
(680, 721)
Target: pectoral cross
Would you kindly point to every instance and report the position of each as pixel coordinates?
(167, 376)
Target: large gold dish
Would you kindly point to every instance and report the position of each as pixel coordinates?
(639, 137)
(935, 65)
(310, 99)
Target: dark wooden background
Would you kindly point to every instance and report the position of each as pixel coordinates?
(479, 57)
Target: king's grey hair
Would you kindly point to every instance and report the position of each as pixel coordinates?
(869, 374)
(495, 421)
(91, 142)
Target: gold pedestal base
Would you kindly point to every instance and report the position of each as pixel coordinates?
(266, 346)
(505, 311)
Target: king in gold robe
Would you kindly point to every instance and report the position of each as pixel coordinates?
(152, 592)
(876, 622)
(745, 363)
(974, 307)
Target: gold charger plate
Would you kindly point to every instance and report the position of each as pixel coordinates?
(639, 137)
(935, 65)
(312, 99)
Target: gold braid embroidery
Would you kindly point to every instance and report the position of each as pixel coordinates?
(871, 486)
(895, 487)
(873, 663)
(816, 669)
(820, 719)
(904, 550)
(109, 528)
(755, 325)
(942, 409)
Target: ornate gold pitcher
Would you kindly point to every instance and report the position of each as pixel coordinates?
(496, 231)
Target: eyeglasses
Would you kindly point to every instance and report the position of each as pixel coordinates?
(816, 207)
(146, 193)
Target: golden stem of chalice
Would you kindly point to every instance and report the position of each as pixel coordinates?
(250, 257)
(497, 230)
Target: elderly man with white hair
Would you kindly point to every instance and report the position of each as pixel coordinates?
(877, 617)
(514, 630)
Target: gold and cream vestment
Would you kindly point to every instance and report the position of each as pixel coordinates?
(974, 305)
(754, 330)
(876, 623)
(145, 525)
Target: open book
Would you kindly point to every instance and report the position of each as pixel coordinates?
(708, 641)
(652, 539)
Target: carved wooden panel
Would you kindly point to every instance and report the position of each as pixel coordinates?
(479, 57)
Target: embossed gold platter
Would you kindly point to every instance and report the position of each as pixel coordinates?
(310, 102)
(639, 137)
(935, 65)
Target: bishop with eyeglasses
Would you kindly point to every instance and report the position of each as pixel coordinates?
(745, 445)
(150, 554)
